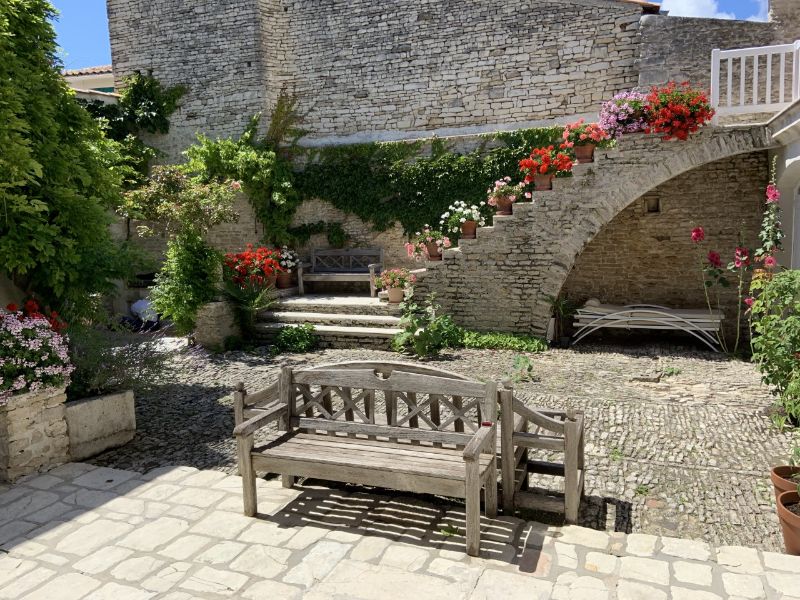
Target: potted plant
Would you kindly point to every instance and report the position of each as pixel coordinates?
(789, 515)
(428, 243)
(624, 113)
(395, 281)
(786, 478)
(562, 309)
(288, 261)
(503, 195)
(248, 279)
(542, 165)
(463, 220)
(677, 110)
(583, 138)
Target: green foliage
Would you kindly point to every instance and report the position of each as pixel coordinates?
(775, 317)
(57, 175)
(109, 361)
(386, 183)
(504, 341)
(426, 332)
(179, 203)
(670, 371)
(264, 171)
(522, 369)
(247, 300)
(188, 280)
(337, 236)
(296, 339)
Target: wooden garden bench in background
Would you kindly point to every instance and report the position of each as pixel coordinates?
(349, 264)
(545, 430)
(392, 425)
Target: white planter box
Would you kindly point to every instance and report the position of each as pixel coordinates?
(99, 423)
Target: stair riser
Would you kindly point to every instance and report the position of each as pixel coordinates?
(337, 341)
(384, 309)
(344, 321)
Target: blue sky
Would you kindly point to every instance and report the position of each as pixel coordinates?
(83, 27)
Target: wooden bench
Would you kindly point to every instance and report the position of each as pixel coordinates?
(393, 425)
(703, 324)
(550, 431)
(350, 264)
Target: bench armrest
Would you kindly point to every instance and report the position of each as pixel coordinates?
(484, 440)
(375, 266)
(253, 424)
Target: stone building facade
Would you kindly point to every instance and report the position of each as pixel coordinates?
(366, 71)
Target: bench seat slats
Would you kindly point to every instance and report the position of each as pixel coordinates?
(336, 276)
(387, 456)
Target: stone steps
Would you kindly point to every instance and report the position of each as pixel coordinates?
(336, 336)
(339, 319)
(360, 305)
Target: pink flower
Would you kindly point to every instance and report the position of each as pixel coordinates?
(410, 249)
(749, 301)
(236, 186)
(528, 195)
(715, 260)
(770, 262)
(773, 194)
(741, 258)
(698, 235)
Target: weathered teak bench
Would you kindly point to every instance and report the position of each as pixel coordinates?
(391, 425)
(548, 430)
(700, 323)
(350, 264)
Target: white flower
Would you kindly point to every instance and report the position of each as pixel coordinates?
(463, 220)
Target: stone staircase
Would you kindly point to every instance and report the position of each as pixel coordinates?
(501, 280)
(339, 321)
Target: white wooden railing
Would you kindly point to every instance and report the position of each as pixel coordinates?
(771, 90)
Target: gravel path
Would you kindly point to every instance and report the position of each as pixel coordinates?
(683, 455)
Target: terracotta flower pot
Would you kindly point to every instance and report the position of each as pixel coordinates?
(270, 280)
(790, 522)
(396, 295)
(780, 479)
(504, 206)
(284, 280)
(433, 251)
(469, 229)
(543, 183)
(585, 154)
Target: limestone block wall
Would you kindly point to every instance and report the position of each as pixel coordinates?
(215, 323)
(648, 257)
(33, 433)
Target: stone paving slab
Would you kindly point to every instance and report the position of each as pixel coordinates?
(178, 533)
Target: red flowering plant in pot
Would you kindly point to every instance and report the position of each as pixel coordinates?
(582, 138)
(502, 195)
(676, 110)
(395, 282)
(541, 167)
(248, 279)
(428, 244)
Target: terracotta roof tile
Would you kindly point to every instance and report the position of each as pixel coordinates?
(100, 70)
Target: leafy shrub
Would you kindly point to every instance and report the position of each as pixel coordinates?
(188, 280)
(32, 355)
(504, 341)
(775, 315)
(296, 339)
(111, 361)
(425, 331)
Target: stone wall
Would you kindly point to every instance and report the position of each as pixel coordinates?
(33, 433)
(215, 323)
(649, 258)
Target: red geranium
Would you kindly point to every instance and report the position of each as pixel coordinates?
(31, 309)
(253, 267)
(544, 161)
(675, 111)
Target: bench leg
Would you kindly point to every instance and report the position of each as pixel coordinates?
(473, 509)
(572, 496)
(491, 490)
(287, 480)
(301, 290)
(248, 474)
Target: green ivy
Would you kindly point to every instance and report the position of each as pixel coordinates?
(390, 182)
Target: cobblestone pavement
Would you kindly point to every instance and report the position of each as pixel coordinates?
(86, 533)
(686, 454)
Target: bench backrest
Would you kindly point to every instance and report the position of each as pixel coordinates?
(388, 400)
(348, 260)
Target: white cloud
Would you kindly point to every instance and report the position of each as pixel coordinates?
(696, 8)
(763, 11)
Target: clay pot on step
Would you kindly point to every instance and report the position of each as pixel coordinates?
(543, 183)
(284, 280)
(504, 206)
(433, 251)
(782, 479)
(789, 516)
(469, 229)
(396, 295)
(585, 154)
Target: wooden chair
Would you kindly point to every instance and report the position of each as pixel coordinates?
(393, 425)
(543, 429)
(348, 264)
